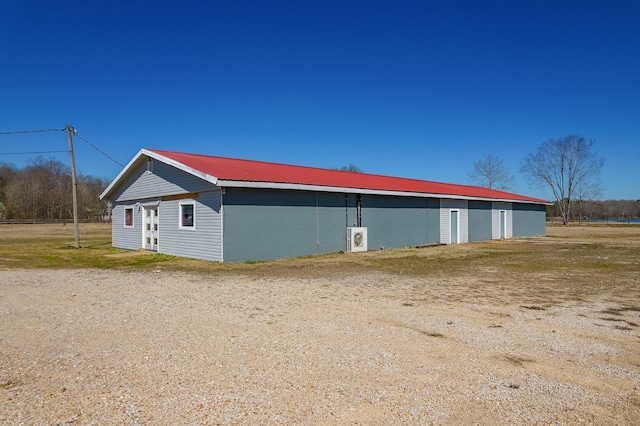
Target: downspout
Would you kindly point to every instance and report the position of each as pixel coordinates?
(346, 210)
(346, 221)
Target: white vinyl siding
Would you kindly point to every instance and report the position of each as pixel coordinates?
(496, 207)
(445, 220)
(201, 241)
(126, 237)
(204, 239)
(164, 180)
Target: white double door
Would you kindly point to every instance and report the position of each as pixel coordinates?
(150, 230)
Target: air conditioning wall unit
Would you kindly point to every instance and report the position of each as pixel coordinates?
(357, 238)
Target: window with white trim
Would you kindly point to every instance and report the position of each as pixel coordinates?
(128, 217)
(187, 215)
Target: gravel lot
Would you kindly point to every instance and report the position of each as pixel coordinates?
(161, 347)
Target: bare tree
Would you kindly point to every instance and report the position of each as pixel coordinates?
(42, 191)
(8, 173)
(351, 168)
(89, 189)
(491, 173)
(564, 165)
(623, 209)
(586, 192)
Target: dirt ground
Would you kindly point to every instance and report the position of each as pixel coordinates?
(489, 345)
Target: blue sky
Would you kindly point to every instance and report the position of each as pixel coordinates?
(415, 89)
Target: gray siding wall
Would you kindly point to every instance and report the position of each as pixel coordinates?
(204, 240)
(479, 220)
(163, 180)
(394, 222)
(128, 238)
(271, 224)
(529, 220)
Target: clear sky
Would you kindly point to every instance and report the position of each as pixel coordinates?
(418, 89)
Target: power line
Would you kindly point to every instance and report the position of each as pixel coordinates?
(17, 132)
(32, 131)
(96, 148)
(75, 133)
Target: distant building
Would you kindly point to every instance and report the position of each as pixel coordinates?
(225, 209)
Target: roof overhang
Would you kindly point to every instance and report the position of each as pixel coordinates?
(345, 190)
(144, 154)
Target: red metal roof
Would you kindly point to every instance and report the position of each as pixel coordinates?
(232, 169)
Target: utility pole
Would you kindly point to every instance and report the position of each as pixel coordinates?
(70, 131)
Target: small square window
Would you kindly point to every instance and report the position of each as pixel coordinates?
(187, 215)
(128, 217)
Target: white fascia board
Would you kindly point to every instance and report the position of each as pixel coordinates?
(158, 157)
(302, 187)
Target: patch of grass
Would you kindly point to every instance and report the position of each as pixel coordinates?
(51, 246)
(568, 265)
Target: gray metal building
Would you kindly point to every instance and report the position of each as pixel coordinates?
(224, 209)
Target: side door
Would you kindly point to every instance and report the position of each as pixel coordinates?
(150, 231)
(455, 227)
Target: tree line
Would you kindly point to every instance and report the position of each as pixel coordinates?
(585, 210)
(43, 191)
(567, 166)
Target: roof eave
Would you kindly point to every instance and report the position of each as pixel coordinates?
(154, 155)
(347, 190)
(181, 166)
(116, 181)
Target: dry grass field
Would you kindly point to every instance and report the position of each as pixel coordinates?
(540, 330)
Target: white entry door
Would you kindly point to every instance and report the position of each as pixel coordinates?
(150, 237)
(503, 224)
(455, 227)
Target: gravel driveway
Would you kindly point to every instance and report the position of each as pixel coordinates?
(159, 347)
